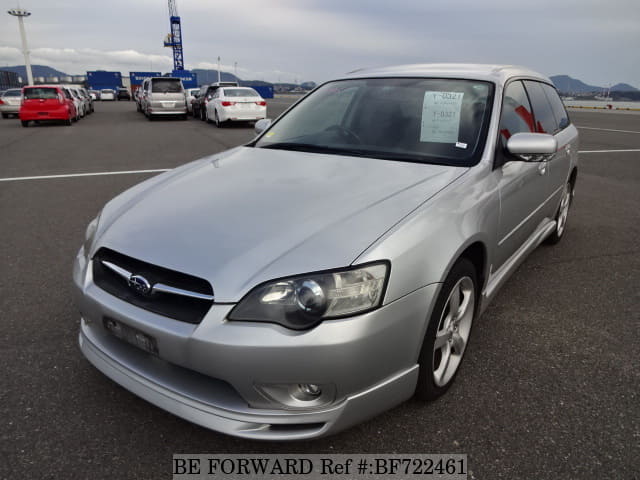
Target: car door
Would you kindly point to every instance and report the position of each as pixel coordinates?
(522, 185)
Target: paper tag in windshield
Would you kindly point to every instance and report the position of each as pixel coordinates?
(441, 117)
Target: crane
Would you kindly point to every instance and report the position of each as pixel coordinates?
(174, 39)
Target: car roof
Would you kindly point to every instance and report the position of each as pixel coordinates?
(490, 72)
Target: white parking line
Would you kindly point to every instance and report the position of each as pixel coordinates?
(94, 174)
(608, 130)
(609, 151)
(160, 170)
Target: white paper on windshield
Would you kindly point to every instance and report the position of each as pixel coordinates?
(441, 117)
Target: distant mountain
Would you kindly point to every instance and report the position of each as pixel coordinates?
(566, 84)
(624, 87)
(211, 76)
(37, 70)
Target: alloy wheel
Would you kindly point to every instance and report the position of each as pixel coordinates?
(452, 334)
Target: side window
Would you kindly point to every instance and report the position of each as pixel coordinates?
(560, 113)
(545, 119)
(516, 114)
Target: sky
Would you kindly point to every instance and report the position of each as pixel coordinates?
(316, 40)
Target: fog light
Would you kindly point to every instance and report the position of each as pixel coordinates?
(310, 389)
(299, 395)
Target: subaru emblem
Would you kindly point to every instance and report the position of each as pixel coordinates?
(139, 284)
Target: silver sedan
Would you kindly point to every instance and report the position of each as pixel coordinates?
(334, 266)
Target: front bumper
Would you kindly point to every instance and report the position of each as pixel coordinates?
(208, 373)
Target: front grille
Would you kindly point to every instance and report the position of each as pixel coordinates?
(183, 305)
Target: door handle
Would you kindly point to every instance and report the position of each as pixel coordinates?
(542, 168)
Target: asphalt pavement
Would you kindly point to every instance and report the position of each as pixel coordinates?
(550, 386)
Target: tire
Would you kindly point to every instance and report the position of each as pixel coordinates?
(5, 115)
(440, 360)
(202, 115)
(68, 122)
(562, 215)
(25, 123)
(219, 124)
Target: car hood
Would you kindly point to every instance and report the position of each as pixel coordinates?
(251, 215)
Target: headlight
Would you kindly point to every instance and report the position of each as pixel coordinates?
(90, 234)
(303, 301)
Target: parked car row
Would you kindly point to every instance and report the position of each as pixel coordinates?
(66, 103)
(220, 102)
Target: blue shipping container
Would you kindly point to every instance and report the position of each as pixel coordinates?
(137, 77)
(189, 79)
(265, 91)
(100, 79)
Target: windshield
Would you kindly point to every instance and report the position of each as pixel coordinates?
(170, 85)
(38, 93)
(440, 121)
(240, 92)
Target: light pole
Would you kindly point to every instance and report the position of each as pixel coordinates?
(218, 69)
(21, 13)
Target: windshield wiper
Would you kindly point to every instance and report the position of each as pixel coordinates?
(355, 152)
(312, 148)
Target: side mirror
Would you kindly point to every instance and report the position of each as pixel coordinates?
(532, 147)
(262, 125)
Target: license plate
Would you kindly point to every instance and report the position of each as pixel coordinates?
(168, 104)
(131, 335)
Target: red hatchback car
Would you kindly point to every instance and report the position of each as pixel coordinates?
(46, 102)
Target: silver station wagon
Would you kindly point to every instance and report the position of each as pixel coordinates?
(333, 267)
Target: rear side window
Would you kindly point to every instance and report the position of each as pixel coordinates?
(560, 113)
(12, 93)
(38, 93)
(545, 119)
(517, 116)
(161, 85)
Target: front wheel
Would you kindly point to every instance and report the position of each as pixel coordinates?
(448, 331)
(562, 215)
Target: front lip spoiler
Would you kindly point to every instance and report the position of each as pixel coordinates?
(264, 424)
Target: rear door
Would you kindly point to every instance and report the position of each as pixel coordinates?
(12, 97)
(241, 102)
(41, 100)
(167, 91)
